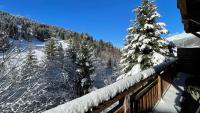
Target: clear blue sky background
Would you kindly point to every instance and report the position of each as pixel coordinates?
(103, 19)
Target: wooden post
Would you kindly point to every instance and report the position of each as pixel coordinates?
(127, 104)
(125, 108)
(159, 87)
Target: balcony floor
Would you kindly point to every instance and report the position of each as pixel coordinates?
(170, 102)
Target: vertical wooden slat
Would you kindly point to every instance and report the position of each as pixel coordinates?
(147, 95)
(150, 96)
(127, 104)
(156, 87)
(133, 104)
(163, 85)
(149, 100)
(154, 93)
(141, 105)
(157, 92)
(159, 87)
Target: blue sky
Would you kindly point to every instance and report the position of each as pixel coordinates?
(103, 19)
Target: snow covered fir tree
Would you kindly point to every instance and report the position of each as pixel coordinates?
(144, 46)
(85, 69)
(30, 68)
(4, 42)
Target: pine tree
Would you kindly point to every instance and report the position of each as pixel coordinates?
(85, 69)
(53, 63)
(54, 72)
(109, 63)
(4, 42)
(143, 43)
(50, 48)
(71, 52)
(30, 67)
(70, 75)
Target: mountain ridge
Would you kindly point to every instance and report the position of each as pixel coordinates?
(185, 40)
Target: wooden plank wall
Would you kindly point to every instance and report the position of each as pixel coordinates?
(189, 60)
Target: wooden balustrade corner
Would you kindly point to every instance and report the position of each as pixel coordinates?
(141, 97)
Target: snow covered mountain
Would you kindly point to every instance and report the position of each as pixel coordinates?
(105, 70)
(185, 40)
(31, 81)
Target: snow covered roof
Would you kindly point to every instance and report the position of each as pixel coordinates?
(93, 99)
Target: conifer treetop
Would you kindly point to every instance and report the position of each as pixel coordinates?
(146, 20)
(144, 46)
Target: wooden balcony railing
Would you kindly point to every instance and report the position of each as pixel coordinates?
(149, 92)
(148, 96)
(140, 97)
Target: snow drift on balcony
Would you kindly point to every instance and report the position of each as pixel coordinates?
(86, 102)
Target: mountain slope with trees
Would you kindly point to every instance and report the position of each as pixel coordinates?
(42, 66)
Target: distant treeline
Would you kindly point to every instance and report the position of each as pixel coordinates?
(19, 27)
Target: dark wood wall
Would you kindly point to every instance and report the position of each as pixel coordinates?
(190, 13)
(189, 60)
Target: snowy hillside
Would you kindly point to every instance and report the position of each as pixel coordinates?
(180, 36)
(29, 93)
(42, 66)
(185, 40)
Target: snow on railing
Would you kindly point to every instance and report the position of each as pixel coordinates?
(87, 102)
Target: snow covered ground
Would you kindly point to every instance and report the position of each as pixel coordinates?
(38, 47)
(170, 102)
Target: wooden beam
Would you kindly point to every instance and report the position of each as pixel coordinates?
(182, 5)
